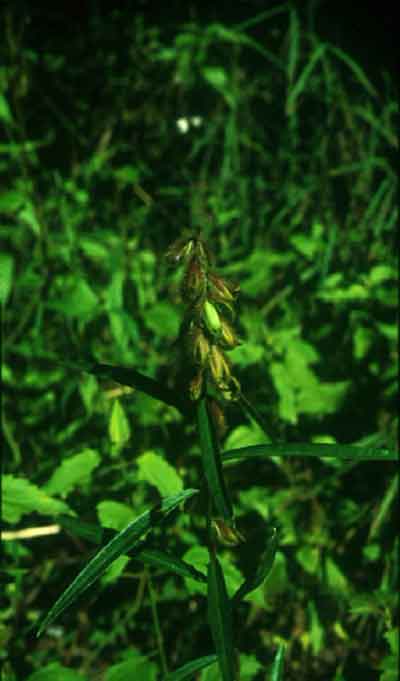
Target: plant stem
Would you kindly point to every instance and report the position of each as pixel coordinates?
(156, 622)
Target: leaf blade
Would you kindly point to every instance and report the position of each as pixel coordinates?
(345, 452)
(278, 664)
(190, 668)
(212, 463)
(124, 541)
(220, 619)
(263, 568)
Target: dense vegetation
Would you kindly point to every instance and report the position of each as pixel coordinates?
(280, 152)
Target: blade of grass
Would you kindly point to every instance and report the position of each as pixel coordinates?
(355, 452)
(123, 542)
(262, 569)
(278, 664)
(220, 619)
(212, 463)
(188, 669)
(301, 82)
(355, 68)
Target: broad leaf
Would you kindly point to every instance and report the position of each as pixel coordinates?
(124, 541)
(20, 497)
(220, 620)
(73, 472)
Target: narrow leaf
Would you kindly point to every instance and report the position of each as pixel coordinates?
(167, 561)
(262, 570)
(131, 377)
(355, 452)
(88, 531)
(220, 620)
(301, 82)
(355, 68)
(212, 463)
(124, 541)
(141, 552)
(188, 669)
(278, 664)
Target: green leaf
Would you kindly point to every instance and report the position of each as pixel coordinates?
(114, 514)
(167, 561)
(20, 497)
(317, 637)
(278, 664)
(131, 377)
(335, 577)
(284, 387)
(79, 301)
(75, 471)
(262, 568)
(118, 426)
(158, 472)
(119, 545)
(301, 82)
(11, 201)
(5, 111)
(163, 319)
(354, 452)
(198, 558)
(135, 667)
(6, 276)
(56, 672)
(220, 620)
(309, 558)
(355, 68)
(188, 669)
(28, 214)
(79, 528)
(249, 667)
(212, 463)
(216, 76)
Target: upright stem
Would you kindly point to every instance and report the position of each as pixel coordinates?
(156, 622)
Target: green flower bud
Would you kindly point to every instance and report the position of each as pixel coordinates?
(228, 336)
(199, 346)
(211, 318)
(219, 366)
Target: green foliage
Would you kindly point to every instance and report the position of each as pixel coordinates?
(280, 147)
(21, 497)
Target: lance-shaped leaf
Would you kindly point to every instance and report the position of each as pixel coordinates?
(278, 664)
(262, 570)
(188, 669)
(120, 544)
(167, 561)
(131, 377)
(142, 551)
(212, 466)
(354, 452)
(220, 619)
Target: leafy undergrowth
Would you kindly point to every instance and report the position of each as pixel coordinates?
(282, 153)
